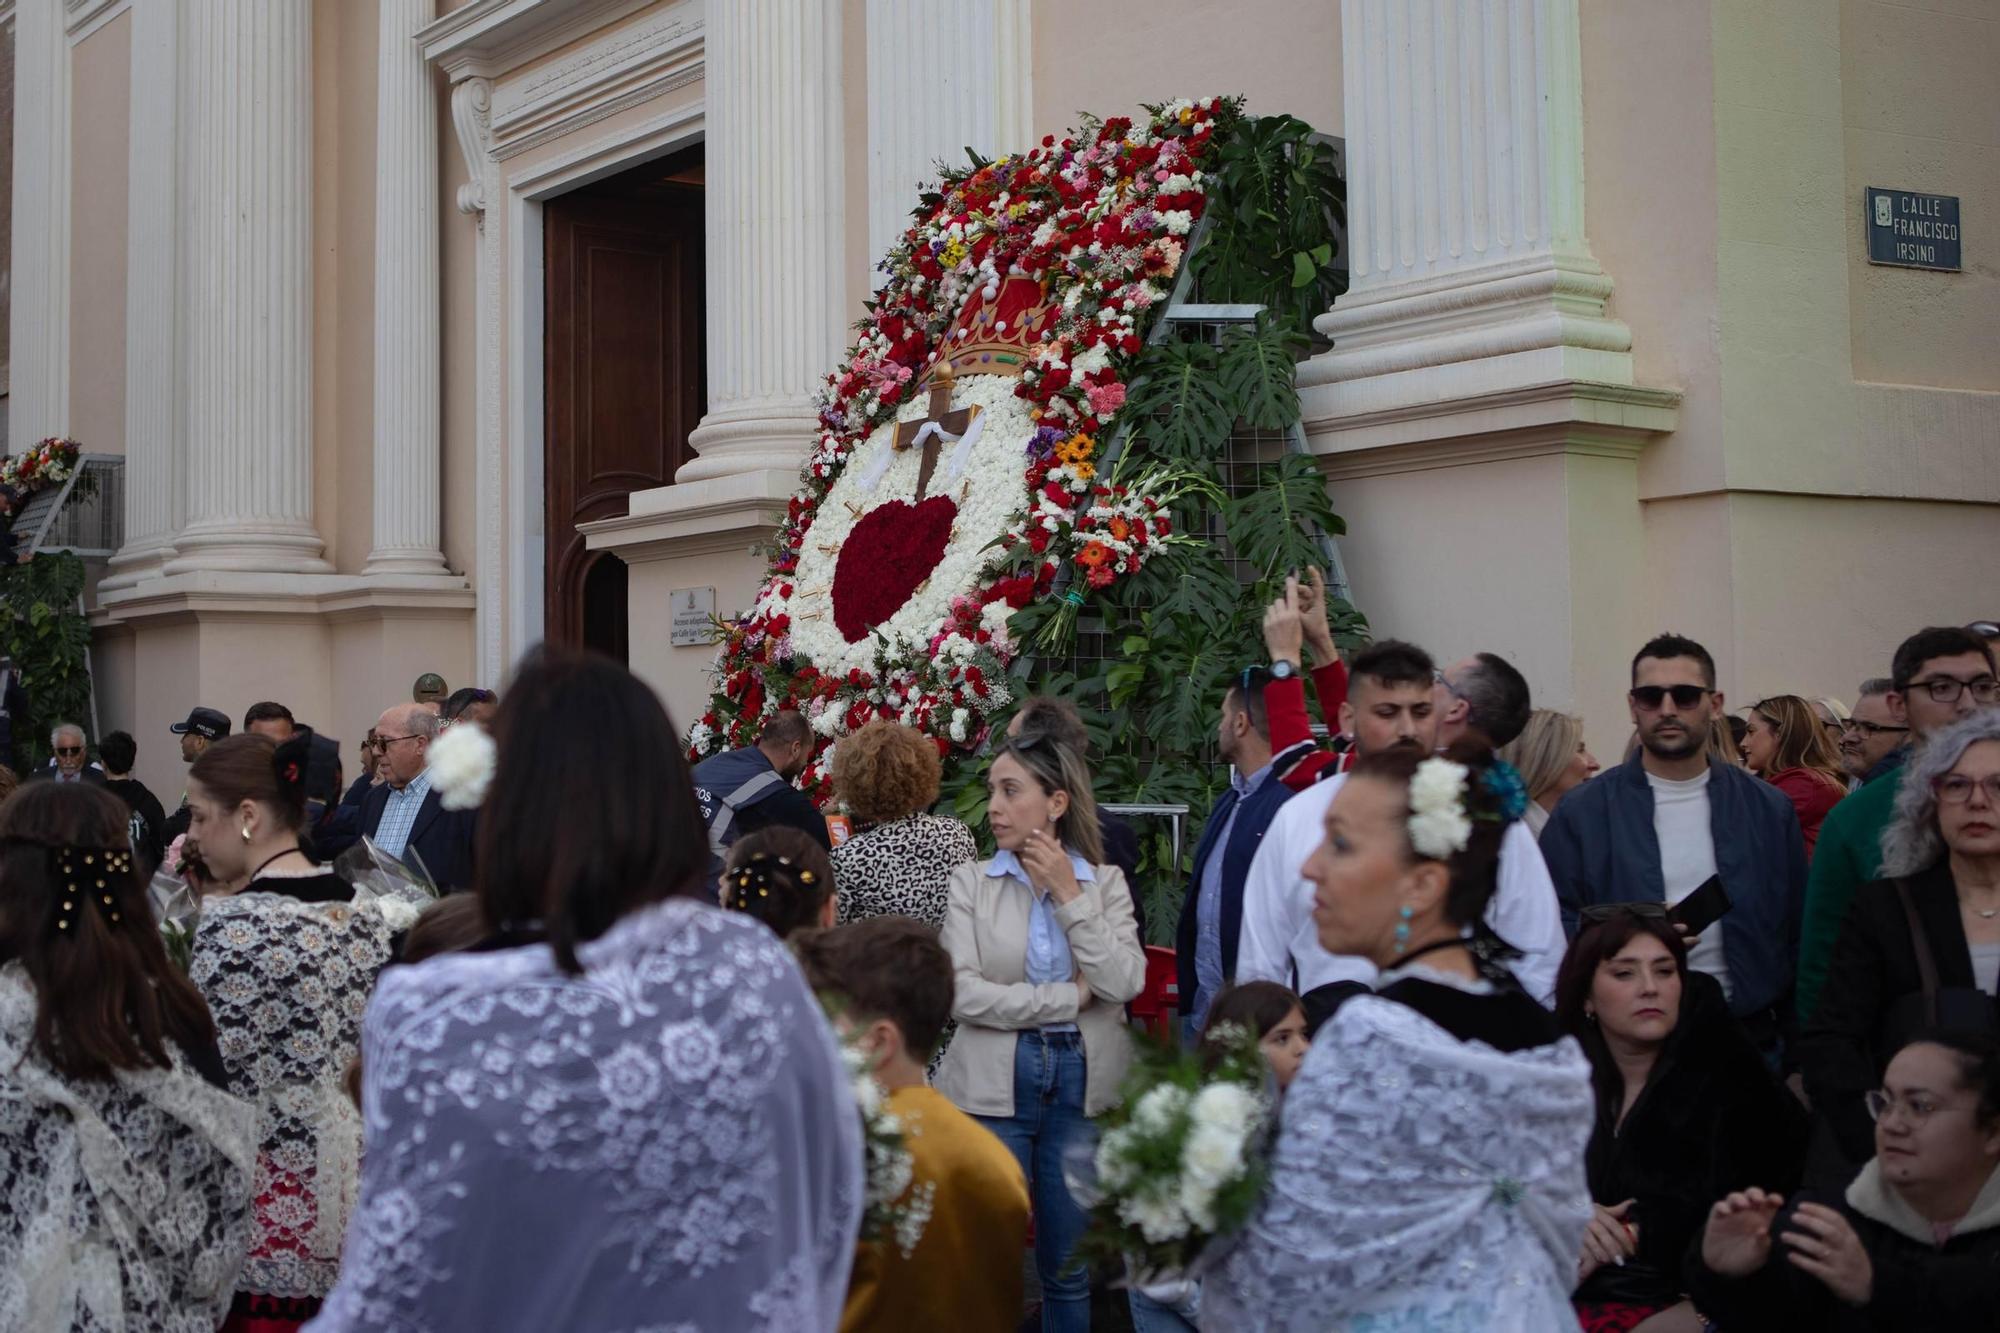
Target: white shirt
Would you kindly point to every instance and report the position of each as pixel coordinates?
(1278, 930)
(1687, 859)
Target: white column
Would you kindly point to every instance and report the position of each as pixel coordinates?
(154, 498)
(38, 399)
(472, 119)
(246, 121)
(1464, 122)
(928, 103)
(775, 227)
(407, 300)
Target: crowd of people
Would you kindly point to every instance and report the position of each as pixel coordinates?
(1706, 1039)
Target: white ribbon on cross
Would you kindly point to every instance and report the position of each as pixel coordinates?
(954, 468)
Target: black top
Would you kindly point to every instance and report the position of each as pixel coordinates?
(325, 887)
(1711, 1119)
(1873, 998)
(1508, 1019)
(141, 801)
(785, 805)
(1121, 849)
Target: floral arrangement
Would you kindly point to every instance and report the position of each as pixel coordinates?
(892, 1212)
(1180, 1161)
(881, 606)
(461, 765)
(50, 463)
(1441, 815)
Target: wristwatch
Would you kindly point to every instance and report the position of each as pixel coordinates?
(1283, 670)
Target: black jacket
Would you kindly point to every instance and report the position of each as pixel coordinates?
(443, 838)
(1920, 1286)
(1711, 1119)
(152, 816)
(1872, 1001)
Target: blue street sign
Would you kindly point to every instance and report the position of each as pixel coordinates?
(1912, 230)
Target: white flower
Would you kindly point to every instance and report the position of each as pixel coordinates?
(1212, 1156)
(398, 914)
(1177, 222)
(461, 766)
(1227, 1105)
(1197, 1201)
(1160, 1220)
(700, 736)
(1157, 1109)
(1114, 1168)
(1438, 824)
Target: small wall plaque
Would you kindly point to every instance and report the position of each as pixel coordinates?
(693, 617)
(1910, 230)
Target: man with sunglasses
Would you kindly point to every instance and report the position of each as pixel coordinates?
(405, 812)
(1939, 675)
(1659, 826)
(1872, 741)
(70, 751)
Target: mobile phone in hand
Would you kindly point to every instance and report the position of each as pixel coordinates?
(1702, 908)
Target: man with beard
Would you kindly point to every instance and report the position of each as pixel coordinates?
(1659, 826)
(1392, 702)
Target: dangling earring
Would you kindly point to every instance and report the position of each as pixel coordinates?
(1402, 929)
(246, 833)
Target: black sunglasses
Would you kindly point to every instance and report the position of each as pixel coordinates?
(1650, 697)
(69, 749)
(1252, 679)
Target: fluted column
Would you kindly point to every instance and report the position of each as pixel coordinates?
(154, 474)
(246, 113)
(1464, 122)
(38, 401)
(407, 300)
(927, 103)
(776, 210)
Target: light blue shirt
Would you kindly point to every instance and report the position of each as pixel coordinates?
(399, 816)
(1208, 976)
(1049, 959)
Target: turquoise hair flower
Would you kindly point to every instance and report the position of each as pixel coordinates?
(1503, 782)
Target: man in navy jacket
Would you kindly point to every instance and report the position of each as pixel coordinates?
(1655, 828)
(405, 813)
(1211, 919)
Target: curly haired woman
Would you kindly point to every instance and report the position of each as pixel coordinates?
(900, 861)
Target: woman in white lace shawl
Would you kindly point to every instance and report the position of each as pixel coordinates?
(286, 960)
(625, 1112)
(124, 1166)
(1428, 1171)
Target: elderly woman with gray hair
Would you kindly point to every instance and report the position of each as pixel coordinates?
(1920, 948)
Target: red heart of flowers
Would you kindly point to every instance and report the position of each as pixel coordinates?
(886, 557)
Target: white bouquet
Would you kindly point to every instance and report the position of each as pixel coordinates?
(893, 1212)
(1180, 1161)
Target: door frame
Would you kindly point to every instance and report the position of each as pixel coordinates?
(523, 539)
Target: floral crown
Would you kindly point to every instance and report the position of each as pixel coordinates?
(1442, 808)
(760, 874)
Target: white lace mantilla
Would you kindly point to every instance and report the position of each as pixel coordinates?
(124, 1205)
(288, 983)
(1418, 1182)
(664, 1142)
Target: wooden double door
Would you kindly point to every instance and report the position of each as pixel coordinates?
(624, 376)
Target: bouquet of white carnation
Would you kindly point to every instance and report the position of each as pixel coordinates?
(1181, 1160)
(891, 1212)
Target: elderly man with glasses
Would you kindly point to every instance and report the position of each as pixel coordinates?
(405, 813)
(1659, 827)
(70, 753)
(1939, 675)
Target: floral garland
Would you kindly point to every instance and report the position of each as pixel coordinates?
(50, 463)
(1100, 220)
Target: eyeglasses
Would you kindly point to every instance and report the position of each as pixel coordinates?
(70, 750)
(1956, 788)
(1603, 912)
(1916, 1108)
(1650, 697)
(1946, 689)
(381, 743)
(1854, 724)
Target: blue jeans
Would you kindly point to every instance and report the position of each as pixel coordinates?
(1149, 1316)
(1048, 1117)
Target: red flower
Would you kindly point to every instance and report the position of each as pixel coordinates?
(1100, 577)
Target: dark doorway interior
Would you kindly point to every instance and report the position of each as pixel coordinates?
(624, 374)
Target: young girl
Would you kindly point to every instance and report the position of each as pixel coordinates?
(1274, 1013)
(780, 876)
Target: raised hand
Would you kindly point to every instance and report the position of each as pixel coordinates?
(1048, 867)
(1312, 612)
(1737, 1240)
(1284, 625)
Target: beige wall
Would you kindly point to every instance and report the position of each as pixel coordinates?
(344, 41)
(100, 137)
(1110, 59)
(1921, 110)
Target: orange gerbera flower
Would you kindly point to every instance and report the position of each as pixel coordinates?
(1094, 555)
(1119, 528)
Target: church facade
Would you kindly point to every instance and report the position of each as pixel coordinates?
(430, 329)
